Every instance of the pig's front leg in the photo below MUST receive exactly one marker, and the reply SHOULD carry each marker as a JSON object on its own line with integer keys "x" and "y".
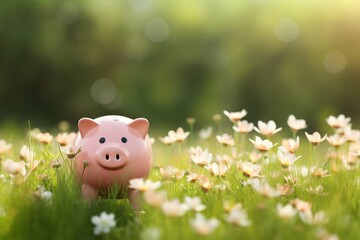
{"x": 135, "y": 199}
{"x": 89, "y": 193}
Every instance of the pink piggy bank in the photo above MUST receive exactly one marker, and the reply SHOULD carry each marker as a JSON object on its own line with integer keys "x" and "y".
{"x": 113, "y": 150}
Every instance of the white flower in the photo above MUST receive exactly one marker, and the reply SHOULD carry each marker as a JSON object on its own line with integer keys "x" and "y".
{"x": 141, "y": 185}
{"x": 238, "y": 217}
{"x": 290, "y": 145}
{"x": 304, "y": 171}
{"x": 2, "y": 178}
{"x": 224, "y": 159}
{"x": 150, "y": 233}
{"x": 25, "y": 153}
{"x": 323, "y": 234}
{"x": 14, "y": 168}
{"x": 103, "y": 223}
{"x": 192, "y": 177}
{"x": 204, "y": 182}
{"x": 300, "y": 205}
{"x": 315, "y": 138}
{"x": 296, "y": 124}
{"x": 155, "y": 199}
{"x": 203, "y": 226}
{"x": 262, "y": 145}
{"x": 218, "y": 169}
{"x": 338, "y": 122}
{"x": 318, "y": 218}
{"x": 350, "y": 160}
{"x": 171, "y": 172}
{"x": 354, "y": 149}
{"x": 226, "y": 140}
{"x": 200, "y": 156}
{"x": 194, "y": 204}
{"x": 179, "y": 136}
{"x": 265, "y": 189}
{"x": 352, "y": 135}
{"x": 255, "y": 156}
{"x": 287, "y": 159}
{"x": 336, "y": 140}
{"x": 267, "y": 129}
{"x": 167, "y": 140}
{"x": 243, "y": 127}
{"x": 4, "y": 146}
{"x": 205, "y": 133}
{"x": 285, "y": 212}
{"x": 249, "y": 169}
{"x": 316, "y": 191}
{"x": 174, "y": 208}
{"x": 44, "y": 138}
{"x": 235, "y": 116}
{"x": 66, "y": 139}
{"x": 228, "y": 206}
{"x": 43, "y": 194}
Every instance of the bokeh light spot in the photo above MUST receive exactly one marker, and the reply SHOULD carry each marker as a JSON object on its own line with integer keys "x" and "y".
{"x": 68, "y": 13}
{"x": 116, "y": 104}
{"x": 287, "y": 30}
{"x": 140, "y": 5}
{"x": 103, "y": 91}
{"x": 334, "y": 62}
{"x": 157, "y": 30}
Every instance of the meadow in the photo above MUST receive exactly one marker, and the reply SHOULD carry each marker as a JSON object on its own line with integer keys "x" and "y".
{"x": 229, "y": 180}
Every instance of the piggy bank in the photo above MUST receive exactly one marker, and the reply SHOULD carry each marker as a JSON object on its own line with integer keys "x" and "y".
{"x": 112, "y": 150}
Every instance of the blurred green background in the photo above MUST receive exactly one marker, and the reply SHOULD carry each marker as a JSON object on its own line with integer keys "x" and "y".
{"x": 168, "y": 60}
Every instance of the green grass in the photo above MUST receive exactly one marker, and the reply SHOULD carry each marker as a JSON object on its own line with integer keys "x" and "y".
{"x": 68, "y": 216}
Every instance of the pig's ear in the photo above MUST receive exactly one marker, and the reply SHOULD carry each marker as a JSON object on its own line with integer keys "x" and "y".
{"x": 85, "y": 125}
{"x": 141, "y": 125}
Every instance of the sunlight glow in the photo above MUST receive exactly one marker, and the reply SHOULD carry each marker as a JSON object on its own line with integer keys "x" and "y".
{"x": 334, "y": 62}
{"x": 103, "y": 91}
{"x": 287, "y": 30}
{"x": 157, "y": 30}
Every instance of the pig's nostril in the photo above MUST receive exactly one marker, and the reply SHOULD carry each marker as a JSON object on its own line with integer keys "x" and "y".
{"x": 117, "y": 157}
{"x": 107, "y": 157}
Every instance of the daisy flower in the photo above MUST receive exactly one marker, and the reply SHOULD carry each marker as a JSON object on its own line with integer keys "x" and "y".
{"x": 291, "y": 145}
{"x": 203, "y": 226}
{"x": 285, "y": 212}
{"x": 267, "y": 129}
{"x": 226, "y": 140}
{"x": 296, "y": 124}
{"x": 336, "y": 140}
{"x": 194, "y": 203}
{"x": 315, "y": 138}
{"x": 243, "y": 127}
{"x": 4, "y": 146}
{"x": 235, "y": 116}
{"x": 103, "y": 223}
{"x": 179, "y": 135}
{"x": 142, "y": 186}
{"x": 338, "y": 122}
{"x": 174, "y": 208}
{"x": 238, "y": 217}
{"x": 44, "y": 138}
{"x": 14, "y": 168}
{"x": 262, "y": 145}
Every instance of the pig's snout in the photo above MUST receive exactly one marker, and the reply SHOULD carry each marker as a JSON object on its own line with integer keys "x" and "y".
{"x": 111, "y": 157}
{"x": 110, "y": 154}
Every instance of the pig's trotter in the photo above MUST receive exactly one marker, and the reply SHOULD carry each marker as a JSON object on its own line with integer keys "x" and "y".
{"x": 89, "y": 193}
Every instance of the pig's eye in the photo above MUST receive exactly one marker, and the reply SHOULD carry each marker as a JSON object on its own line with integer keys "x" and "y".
{"x": 102, "y": 140}
{"x": 124, "y": 139}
